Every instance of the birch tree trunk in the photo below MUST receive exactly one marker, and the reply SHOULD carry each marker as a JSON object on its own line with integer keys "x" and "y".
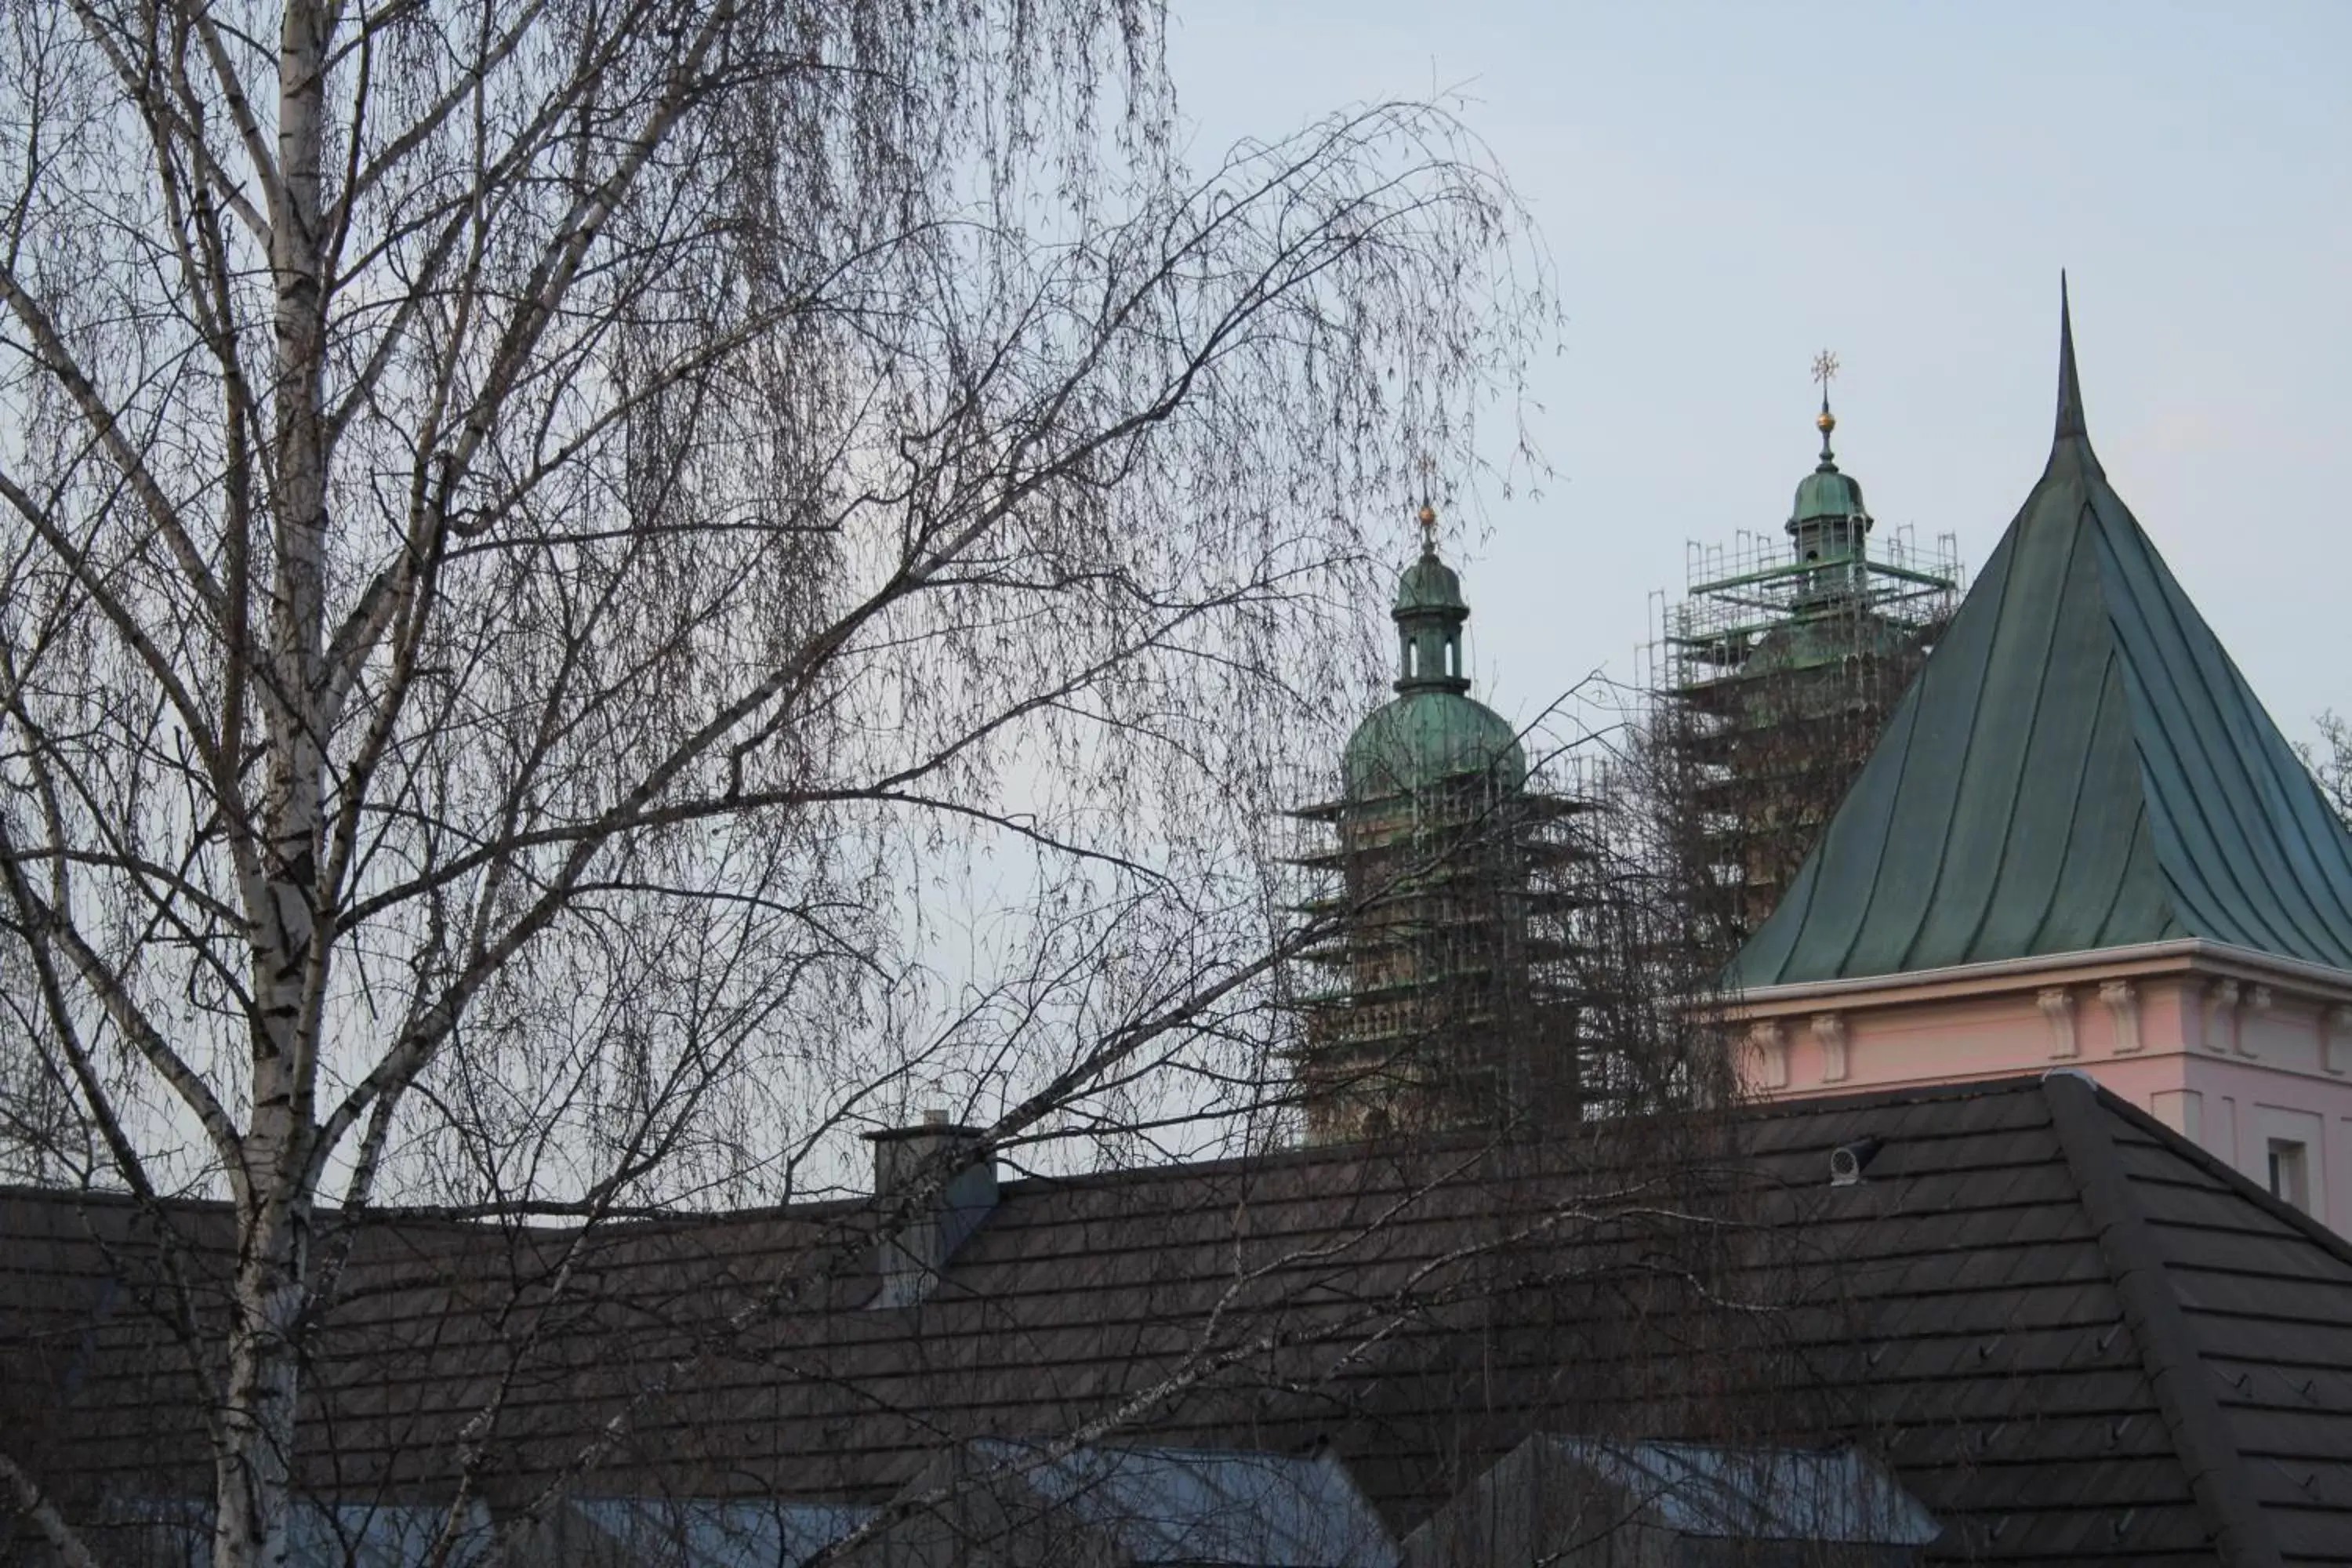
{"x": 543, "y": 540}
{"x": 283, "y": 904}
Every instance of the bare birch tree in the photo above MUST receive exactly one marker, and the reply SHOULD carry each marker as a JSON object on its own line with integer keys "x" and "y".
{"x": 554, "y": 551}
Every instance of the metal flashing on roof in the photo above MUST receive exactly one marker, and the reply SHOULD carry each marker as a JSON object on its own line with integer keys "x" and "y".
{"x": 699, "y": 1532}
{"x": 1564, "y": 1498}
{"x": 1205, "y": 1506}
{"x": 1759, "y": 1494}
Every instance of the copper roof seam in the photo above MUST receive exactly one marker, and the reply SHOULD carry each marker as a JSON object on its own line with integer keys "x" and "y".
{"x": 1905, "y": 715}
{"x": 2300, "y": 856}
{"x": 2232, "y": 701}
{"x": 2017, "y": 785}
{"x": 1918, "y": 920}
{"x": 2142, "y": 839}
{"x": 2186, "y": 743}
{"x": 2108, "y": 676}
{"x": 2168, "y": 1353}
{"x": 2194, "y": 909}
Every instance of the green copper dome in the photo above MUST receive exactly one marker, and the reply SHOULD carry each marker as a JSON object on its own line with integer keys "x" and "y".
{"x": 1824, "y": 494}
{"x": 1433, "y": 730}
{"x": 1425, "y": 737}
{"x": 1430, "y": 584}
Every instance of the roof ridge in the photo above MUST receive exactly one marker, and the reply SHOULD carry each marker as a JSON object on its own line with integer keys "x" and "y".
{"x": 2175, "y": 1366}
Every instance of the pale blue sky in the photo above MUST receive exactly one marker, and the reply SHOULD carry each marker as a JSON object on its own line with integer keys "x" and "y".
{"x": 1727, "y": 188}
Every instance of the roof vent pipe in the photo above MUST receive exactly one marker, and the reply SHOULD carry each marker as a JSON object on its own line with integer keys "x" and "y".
{"x": 1847, "y": 1162}
{"x": 952, "y": 1180}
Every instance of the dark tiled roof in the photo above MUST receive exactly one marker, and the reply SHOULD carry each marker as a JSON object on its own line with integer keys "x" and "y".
{"x": 2072, "y": 1335}
{"x": 2079, "y": 765}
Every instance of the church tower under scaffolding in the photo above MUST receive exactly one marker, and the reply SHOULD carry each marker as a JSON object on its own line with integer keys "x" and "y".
{"x": 1446, "y": 1000}
{"x": 1775, "y": 674}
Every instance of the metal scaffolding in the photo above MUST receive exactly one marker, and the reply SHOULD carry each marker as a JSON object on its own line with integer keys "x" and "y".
{"x": 1772, "y": 676}
{"x": 1447, "y": 992}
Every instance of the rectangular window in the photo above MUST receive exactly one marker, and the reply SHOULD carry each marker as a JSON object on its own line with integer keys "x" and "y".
{"x": 2290, "y": 1180}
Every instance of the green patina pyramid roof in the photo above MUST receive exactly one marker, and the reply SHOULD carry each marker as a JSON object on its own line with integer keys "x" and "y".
{"x": 2079, "y": 765}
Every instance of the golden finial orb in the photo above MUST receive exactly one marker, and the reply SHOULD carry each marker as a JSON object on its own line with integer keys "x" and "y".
{"x": 1827, "y": 421}
{"x": 1427, "y": 518}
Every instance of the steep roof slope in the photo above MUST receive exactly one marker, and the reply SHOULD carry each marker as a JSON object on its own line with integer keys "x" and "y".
{"x": 2079, "y": 765}
{"x": 2073, "y": 1336}
{"x": 2050, "y": 1309}
{"x": 2256, "y": 1328}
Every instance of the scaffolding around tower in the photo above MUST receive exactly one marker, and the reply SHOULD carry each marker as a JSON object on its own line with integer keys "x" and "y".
{"x": 1443, "y": 885}
{"x": 1771, "y": 677}
{"x": 1446, "y": 995}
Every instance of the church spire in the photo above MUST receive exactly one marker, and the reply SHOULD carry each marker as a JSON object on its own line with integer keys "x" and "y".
{"x": 2070, "y": 391}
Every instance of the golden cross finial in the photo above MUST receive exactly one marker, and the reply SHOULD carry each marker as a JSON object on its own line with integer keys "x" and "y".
{"x": 1825, "y": 369}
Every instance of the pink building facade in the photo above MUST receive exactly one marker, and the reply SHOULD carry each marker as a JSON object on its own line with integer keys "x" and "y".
{"x": 2247, "y": 1055}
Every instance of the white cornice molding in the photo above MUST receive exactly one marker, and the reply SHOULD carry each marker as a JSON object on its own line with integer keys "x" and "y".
{"x": 2178, "y": 956}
